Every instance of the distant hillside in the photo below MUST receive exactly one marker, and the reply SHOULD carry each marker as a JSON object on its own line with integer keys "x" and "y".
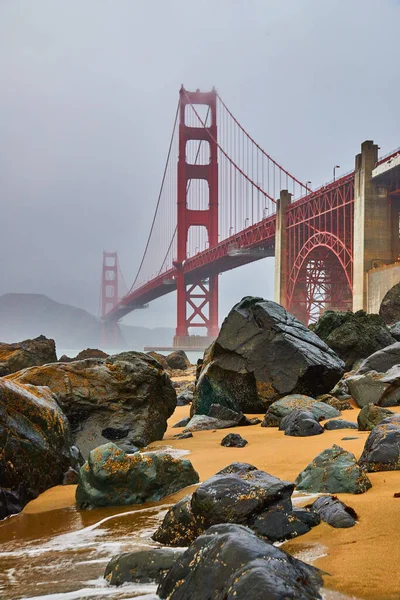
{"x": 25, "y": 316}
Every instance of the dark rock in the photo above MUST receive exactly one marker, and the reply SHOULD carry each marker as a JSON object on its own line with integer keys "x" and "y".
{"x": 334, "y": 512}
{"x": 142, "y": 566}
{"x": 261, "y": 354}
{"x": 10, "y": 503}
{"x": 353, "y": 335}
{"x": 339, "y": 424}
{"x": 300, "y": 423}
{"x": 376, "y": 388}
{"x": 179, "y": 527}
{"x": 65, "y": 358}
{"x": 178, "y": 360}
{"x": 338, "y": 403}
{"x": 160, "y": 358}
{"x": 184, "y": 398}
{"x": 281, "y": 408}
{"x": 308, "y": 516}
{"x": 182, "y": 423}
{"x": 91, "y": 353}
{"x": 234, "y": 440}
{"x": 341, "y": 391}
{"x": 349, "y": 438}
{"x": 29, "y": 353}
{"x": 217, "y": 411}
{"x": 382, "y": 360}
{"x": 71, "y": 477}
{"x": 34, "y": 441}
{"x": 371, "y": 415}
{"x": 253, "y": 421}
{"x": 230, "y": 562}
{"x": 128, "y": 395}
{"x": 395, "y": 330}
{"x": 238, "y": 494}
{"x": 110, "y": 477}
{"x": 204, "y": 422}
{"x": 334, "y": 471}
{"x": 183, "y": 436}
{"x": 382, "y": 448}
{"x": 390, "y": 305}
{"x": 276, "y": 524}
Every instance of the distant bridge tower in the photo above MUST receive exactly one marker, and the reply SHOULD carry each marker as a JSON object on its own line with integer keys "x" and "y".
{"x": 110, "y": 332}
{"x": 109, "y": 282}
{"x": 197, "y": 304}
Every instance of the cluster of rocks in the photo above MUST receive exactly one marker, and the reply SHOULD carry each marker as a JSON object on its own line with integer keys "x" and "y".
{"x": 49, "y": 409}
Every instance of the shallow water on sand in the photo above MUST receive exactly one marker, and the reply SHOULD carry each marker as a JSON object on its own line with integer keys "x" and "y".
{"x": 62, "y": 554}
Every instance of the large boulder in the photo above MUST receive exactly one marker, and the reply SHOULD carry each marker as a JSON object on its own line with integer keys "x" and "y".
{"x": 35, "y": 442}
{"x": 141, "y": 566}
{"x": 281, "y": 408}
{"x": 390, "y": 305}
{"x": 29, "y": 353}
{"x": 230, "y": 562}
{"x": 334, "y": 471}
{"x": 126, "y": 398}
{"x": 240, "y": 493}
{"x": 382, "y": 360}
{"x": 300, "y": 423}
{"x": 111, "y": 477}
{"x": 178, "y": 360}
{"x": 376, "y": 388}
{"x": 382, "y": 448}
{"x": 261, "y": 354}
{"x": 353, "y": 335}
{"x": 370, "y": 416}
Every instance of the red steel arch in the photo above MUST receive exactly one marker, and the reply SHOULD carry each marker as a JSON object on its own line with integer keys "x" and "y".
{"x": 320, "y": 249}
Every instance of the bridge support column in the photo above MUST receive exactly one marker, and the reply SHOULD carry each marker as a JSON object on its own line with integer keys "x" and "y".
{"x": 372, "y": 224}
{"x": 280, "y": 286}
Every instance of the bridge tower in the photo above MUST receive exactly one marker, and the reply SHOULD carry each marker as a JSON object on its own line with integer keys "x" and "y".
{"x": 197, "y": 302}
{"x": 110, "y": 332}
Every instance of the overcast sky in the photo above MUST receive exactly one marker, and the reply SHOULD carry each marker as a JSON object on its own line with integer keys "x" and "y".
{"x": 88, "y": 91}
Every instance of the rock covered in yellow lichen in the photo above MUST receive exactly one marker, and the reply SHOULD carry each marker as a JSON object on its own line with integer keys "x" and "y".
{"x": 111, "y": 477}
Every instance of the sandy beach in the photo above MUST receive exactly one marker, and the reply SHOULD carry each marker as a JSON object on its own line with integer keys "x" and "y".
{"x": 356, "y": 560}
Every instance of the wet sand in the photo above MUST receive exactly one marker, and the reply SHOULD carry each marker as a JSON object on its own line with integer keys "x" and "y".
{"x": 362, "y": 561}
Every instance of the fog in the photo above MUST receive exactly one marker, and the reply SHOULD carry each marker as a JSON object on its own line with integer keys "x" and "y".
{"x": 88, "y": 97}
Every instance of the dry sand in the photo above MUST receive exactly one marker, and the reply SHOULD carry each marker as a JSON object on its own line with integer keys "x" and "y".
{"x": 362, "y": 561}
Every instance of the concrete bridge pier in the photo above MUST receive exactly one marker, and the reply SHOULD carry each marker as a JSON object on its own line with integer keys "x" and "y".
{"x": 281, "y": 249}
{"x": 373, "y": 228}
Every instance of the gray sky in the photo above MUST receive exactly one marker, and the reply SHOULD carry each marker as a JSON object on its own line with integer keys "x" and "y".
{"x": 88, "y": 91}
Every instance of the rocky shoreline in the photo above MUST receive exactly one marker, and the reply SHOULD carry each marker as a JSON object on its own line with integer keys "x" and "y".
{"x": 101, "y": 422}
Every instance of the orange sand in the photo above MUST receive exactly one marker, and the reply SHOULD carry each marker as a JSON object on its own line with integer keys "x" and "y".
{"x": 361, "y": 561}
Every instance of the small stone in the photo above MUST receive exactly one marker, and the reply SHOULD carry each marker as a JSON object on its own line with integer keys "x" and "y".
{"x": 334, "y": 512}
{"x": 182, "y": 423}
{"x": 234, "y": 440}
{"x": 183, "y": 436}
{"x": 339, "y": 424}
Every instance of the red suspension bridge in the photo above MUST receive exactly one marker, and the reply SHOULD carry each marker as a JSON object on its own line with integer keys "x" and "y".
{"x": 224, "y": 202}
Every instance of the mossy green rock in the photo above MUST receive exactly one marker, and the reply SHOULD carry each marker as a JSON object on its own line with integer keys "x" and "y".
{"x": 334, "y": 471}
{"x": 111, "y": 477}
{"x": 353, "y": 336}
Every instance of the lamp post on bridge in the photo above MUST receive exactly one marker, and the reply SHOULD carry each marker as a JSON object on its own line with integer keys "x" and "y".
{"x": 309, "y": 186}
{"x": 334, "y": 171}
